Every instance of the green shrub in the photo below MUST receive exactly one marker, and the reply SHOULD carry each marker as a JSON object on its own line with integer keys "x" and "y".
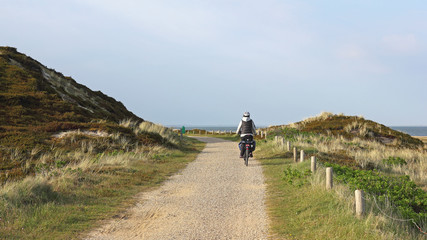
{"x": 296, "y": 177}
{"x": 403, "y": 193}
{"x": 393, "y": 161}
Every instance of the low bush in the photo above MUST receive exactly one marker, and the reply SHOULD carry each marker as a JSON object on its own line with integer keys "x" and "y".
{"x": 296, "y": 177}
{"x": 409, "y": 200}
{"x": 394, "y": 161}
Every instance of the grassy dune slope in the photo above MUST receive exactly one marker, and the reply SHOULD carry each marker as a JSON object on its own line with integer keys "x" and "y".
{"x": 73, "y": 190}
{"x": 67, "y": 157}
{"x": 299, "y": 210}
{"x": 37, "y": 103}
{"x": 384, "y": 163}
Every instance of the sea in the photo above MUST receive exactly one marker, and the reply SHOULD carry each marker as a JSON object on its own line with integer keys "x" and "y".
{"x": 209, "y": 128}
{"x": 411, "y": 130}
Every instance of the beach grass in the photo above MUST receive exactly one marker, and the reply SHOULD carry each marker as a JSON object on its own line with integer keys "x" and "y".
{"x": 300, "y": 207}
{"x": 422, "y": 138}
{"x": 65, "y": 200}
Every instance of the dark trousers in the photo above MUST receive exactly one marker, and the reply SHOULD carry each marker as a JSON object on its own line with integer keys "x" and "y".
{"x": 242, "y": 140}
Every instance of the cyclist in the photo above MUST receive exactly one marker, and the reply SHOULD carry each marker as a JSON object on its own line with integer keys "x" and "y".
{"x": 247, "y": 130}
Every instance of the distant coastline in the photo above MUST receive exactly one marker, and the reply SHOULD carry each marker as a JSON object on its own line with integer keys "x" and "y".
{"x": 209, "y": 128}
{"x": 411, "y": 130}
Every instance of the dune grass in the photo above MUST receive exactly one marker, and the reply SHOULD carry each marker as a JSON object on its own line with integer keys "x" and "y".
{"x": 302, "y": 211}
{"x": 371, "y": 154}
{"x": 66, "y": 199}
{"x": 424, "y": 139}
{"x": 300, "y": 207}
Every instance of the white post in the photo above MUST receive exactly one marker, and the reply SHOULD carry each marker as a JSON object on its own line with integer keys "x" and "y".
{"x": 302, "y": 155}
{"x": 313, "y": 164}
{"x": 289, "y": 145}
{"x": 360, "y": 202}
{"x": 329, "y": 180}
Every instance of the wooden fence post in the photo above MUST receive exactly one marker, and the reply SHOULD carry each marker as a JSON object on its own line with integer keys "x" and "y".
{"x": 302, "y": 155}
{"x": 289, "y": 145}
{"x": 360, "y": 203}
{"x": 329, "y": 180}
{"x": 313, "y": 164}
{"x": 295, "y": 155}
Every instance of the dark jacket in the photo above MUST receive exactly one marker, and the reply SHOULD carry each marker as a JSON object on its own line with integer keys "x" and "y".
{"x": 246, "y": 127}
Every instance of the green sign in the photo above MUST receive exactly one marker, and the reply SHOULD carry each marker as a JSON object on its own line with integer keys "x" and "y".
{"x": 183, "y": 130}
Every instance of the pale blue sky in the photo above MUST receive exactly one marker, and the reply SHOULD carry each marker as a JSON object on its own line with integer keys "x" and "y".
{"x": 206, "y": 62}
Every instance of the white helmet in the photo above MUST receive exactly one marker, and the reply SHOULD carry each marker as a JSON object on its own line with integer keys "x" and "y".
{"x": 246, "y": 114}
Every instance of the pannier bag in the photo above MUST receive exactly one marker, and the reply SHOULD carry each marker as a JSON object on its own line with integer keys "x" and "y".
{"x": 253, "y": 145}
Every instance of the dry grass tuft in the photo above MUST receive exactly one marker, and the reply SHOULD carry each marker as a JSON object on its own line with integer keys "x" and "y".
{"x": 30, "y": 191}
{"x": 165, "y": 132}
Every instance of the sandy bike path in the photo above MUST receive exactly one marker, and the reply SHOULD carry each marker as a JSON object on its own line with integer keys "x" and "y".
{"x": 215, "y": 197}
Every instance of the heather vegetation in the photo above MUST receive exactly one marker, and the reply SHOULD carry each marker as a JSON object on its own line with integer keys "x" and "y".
{"x": 389, "y": 166}
{"x": 67, "y": 159}
{"x": 37, "y": 103}
{"x": 86, "y": 176}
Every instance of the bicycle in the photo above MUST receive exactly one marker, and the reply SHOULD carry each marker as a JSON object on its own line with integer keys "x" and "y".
{"x": 249, "y": 146}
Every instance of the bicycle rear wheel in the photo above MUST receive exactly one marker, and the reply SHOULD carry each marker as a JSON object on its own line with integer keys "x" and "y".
{"x": 246, "y": 156}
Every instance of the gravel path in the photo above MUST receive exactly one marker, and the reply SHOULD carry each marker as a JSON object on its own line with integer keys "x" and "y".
{"x": 214, "y": 197}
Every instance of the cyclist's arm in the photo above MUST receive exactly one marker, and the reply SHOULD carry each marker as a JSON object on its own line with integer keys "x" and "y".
{"x": 239, "y": 128}
{"x": 253, "y": 128}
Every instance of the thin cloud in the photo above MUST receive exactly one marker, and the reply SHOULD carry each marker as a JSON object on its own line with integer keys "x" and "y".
{"x": 351, "y": 51}
{"x": 404, "y": 44}
{"x": 354, "y": 58}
